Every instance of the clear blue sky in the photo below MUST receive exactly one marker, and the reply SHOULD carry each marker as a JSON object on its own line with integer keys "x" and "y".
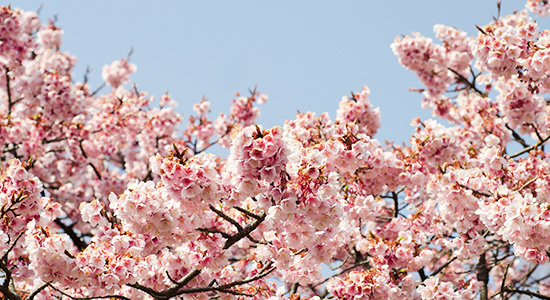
{"x": 304, "y": 54}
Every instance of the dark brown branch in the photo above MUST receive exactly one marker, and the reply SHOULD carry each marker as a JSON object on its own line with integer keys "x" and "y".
{"x": 225, "y": 217}
{"x": 502, "y": 285}
{"x": 294, "y": 288}
{"x": 232, "y": 292}
{"x": 528, "y": 293}
{"x": 9, "y": 293}
{"x": 170, "y": 277}
{"x": 481, "y": 30}
{"x": 88, "y": 298}
{"x": 474, "y": 191}
{"x": 471, "y": 85}
{"x": 526, "y": 184}
{"x": 422, "y": 274}
{"x": 443, "y": 266}
{"x": 5, "y": 256}
{"x": 245, "y": 232}
{"x": 38, "y": 290}
{"x": 525, "y": 150}
{"x": 169, "y": 292}
{"x": 224, "y": 288}
{"x": 526, "y": 277}
{"x": 483, "y": 276}
{"x": 8, "y": 288}
{"x": 68, "y": 229}
{"x": 10, "y": 104}
{"x": 242, "y": 231}
{"x": 149, "y": 176}
{"x": 246, "y": 212}
{"x": 89, "y": 163}
{"x": 98, "y": 89}
{"x": 395, "y": 205}
{"x": 516, "y": 136}
{"x": 210, "y": 144}
{"x": 210, "y": 230}
{"x": 59, "y": 139}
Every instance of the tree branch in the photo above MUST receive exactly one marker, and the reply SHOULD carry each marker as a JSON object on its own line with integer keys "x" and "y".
{"x": 169, "y": 292}
{"x": 88, "y": 298}
{"x": 224, "y": 288}
{"x": 68, "y": 229}
{"x": 225, "y": 217}
{"x": 529, "y": 293}
{"x": 89, "y": 162}
{"x": 246, "y": 212}
{"x": 483, "y": 276}
{"x": 471, "y": 85}
{"x": 245, "y": 232}
{"x": 38, "y": 290}
{"x": 443, "y": 266}
{"x": 502, "y": 286}
{"x": 525, "y": 150}
{"x": 516, "y": 136}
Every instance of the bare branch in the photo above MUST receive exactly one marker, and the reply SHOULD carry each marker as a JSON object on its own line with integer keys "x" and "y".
{"x": 5, "y": 256}
{"x": 526, "y": 184}
{"x": 471, "y": 85}
{"x": 529, "y": 293}
{"x": 225, "y": 217}
{"x": 245, "y": 231}
{"x": 516, "y": 136}
{"x": 474, "y": 191}
{"x": 443, "y": 266}
{"x": 211, "y": 230}
{"x": 525, "y": 150}
{"x": 483, "y": 276}
{"x": 504, "y": 281}
{"x": 224, "y": 288}
{"x": 68, "y": 229}
{"x": 88, "y": 298}
{"x": 98, "y": 89}
{"x": 246, "y": 212}
{"x": 38, "y": 290}
{"x": 170, "y": 292}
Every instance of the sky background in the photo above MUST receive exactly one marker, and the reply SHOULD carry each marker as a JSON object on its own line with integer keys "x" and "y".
{"x": 305, "y": 55}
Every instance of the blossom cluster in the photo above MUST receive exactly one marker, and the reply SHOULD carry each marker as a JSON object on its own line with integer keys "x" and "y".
{"x": 104, "y": 194}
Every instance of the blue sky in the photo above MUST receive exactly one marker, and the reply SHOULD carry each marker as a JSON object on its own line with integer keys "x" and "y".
{"x": 305, "y": 55}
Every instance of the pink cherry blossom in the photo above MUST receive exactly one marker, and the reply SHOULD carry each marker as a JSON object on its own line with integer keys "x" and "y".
{"x": 111, "y": 195}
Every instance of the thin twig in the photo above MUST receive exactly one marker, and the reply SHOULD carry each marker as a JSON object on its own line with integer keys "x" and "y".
{"x": 504, "y": 281}
{"x": 169, "y": 292}
{"x": 246, "y": 212}
{"x": 474, "y": 191}
{"x": 5, "y": 256}
{"x": 529, "y": 293}
{"x": 525, "y": 150}
{"x": 516, "y": 136}
{"x": 38, "y": 290}
{"x": 443, "y": 266}
{"x": 465, "y": 80}
{"x": 88, "y": 298}
{"x": 225, "y": 217}
{"x": 98, "y": 89}
{"x": 526, "y": 184}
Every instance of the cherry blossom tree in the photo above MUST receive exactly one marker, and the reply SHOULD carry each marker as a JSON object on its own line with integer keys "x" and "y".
{"x": 107, "y": 193}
